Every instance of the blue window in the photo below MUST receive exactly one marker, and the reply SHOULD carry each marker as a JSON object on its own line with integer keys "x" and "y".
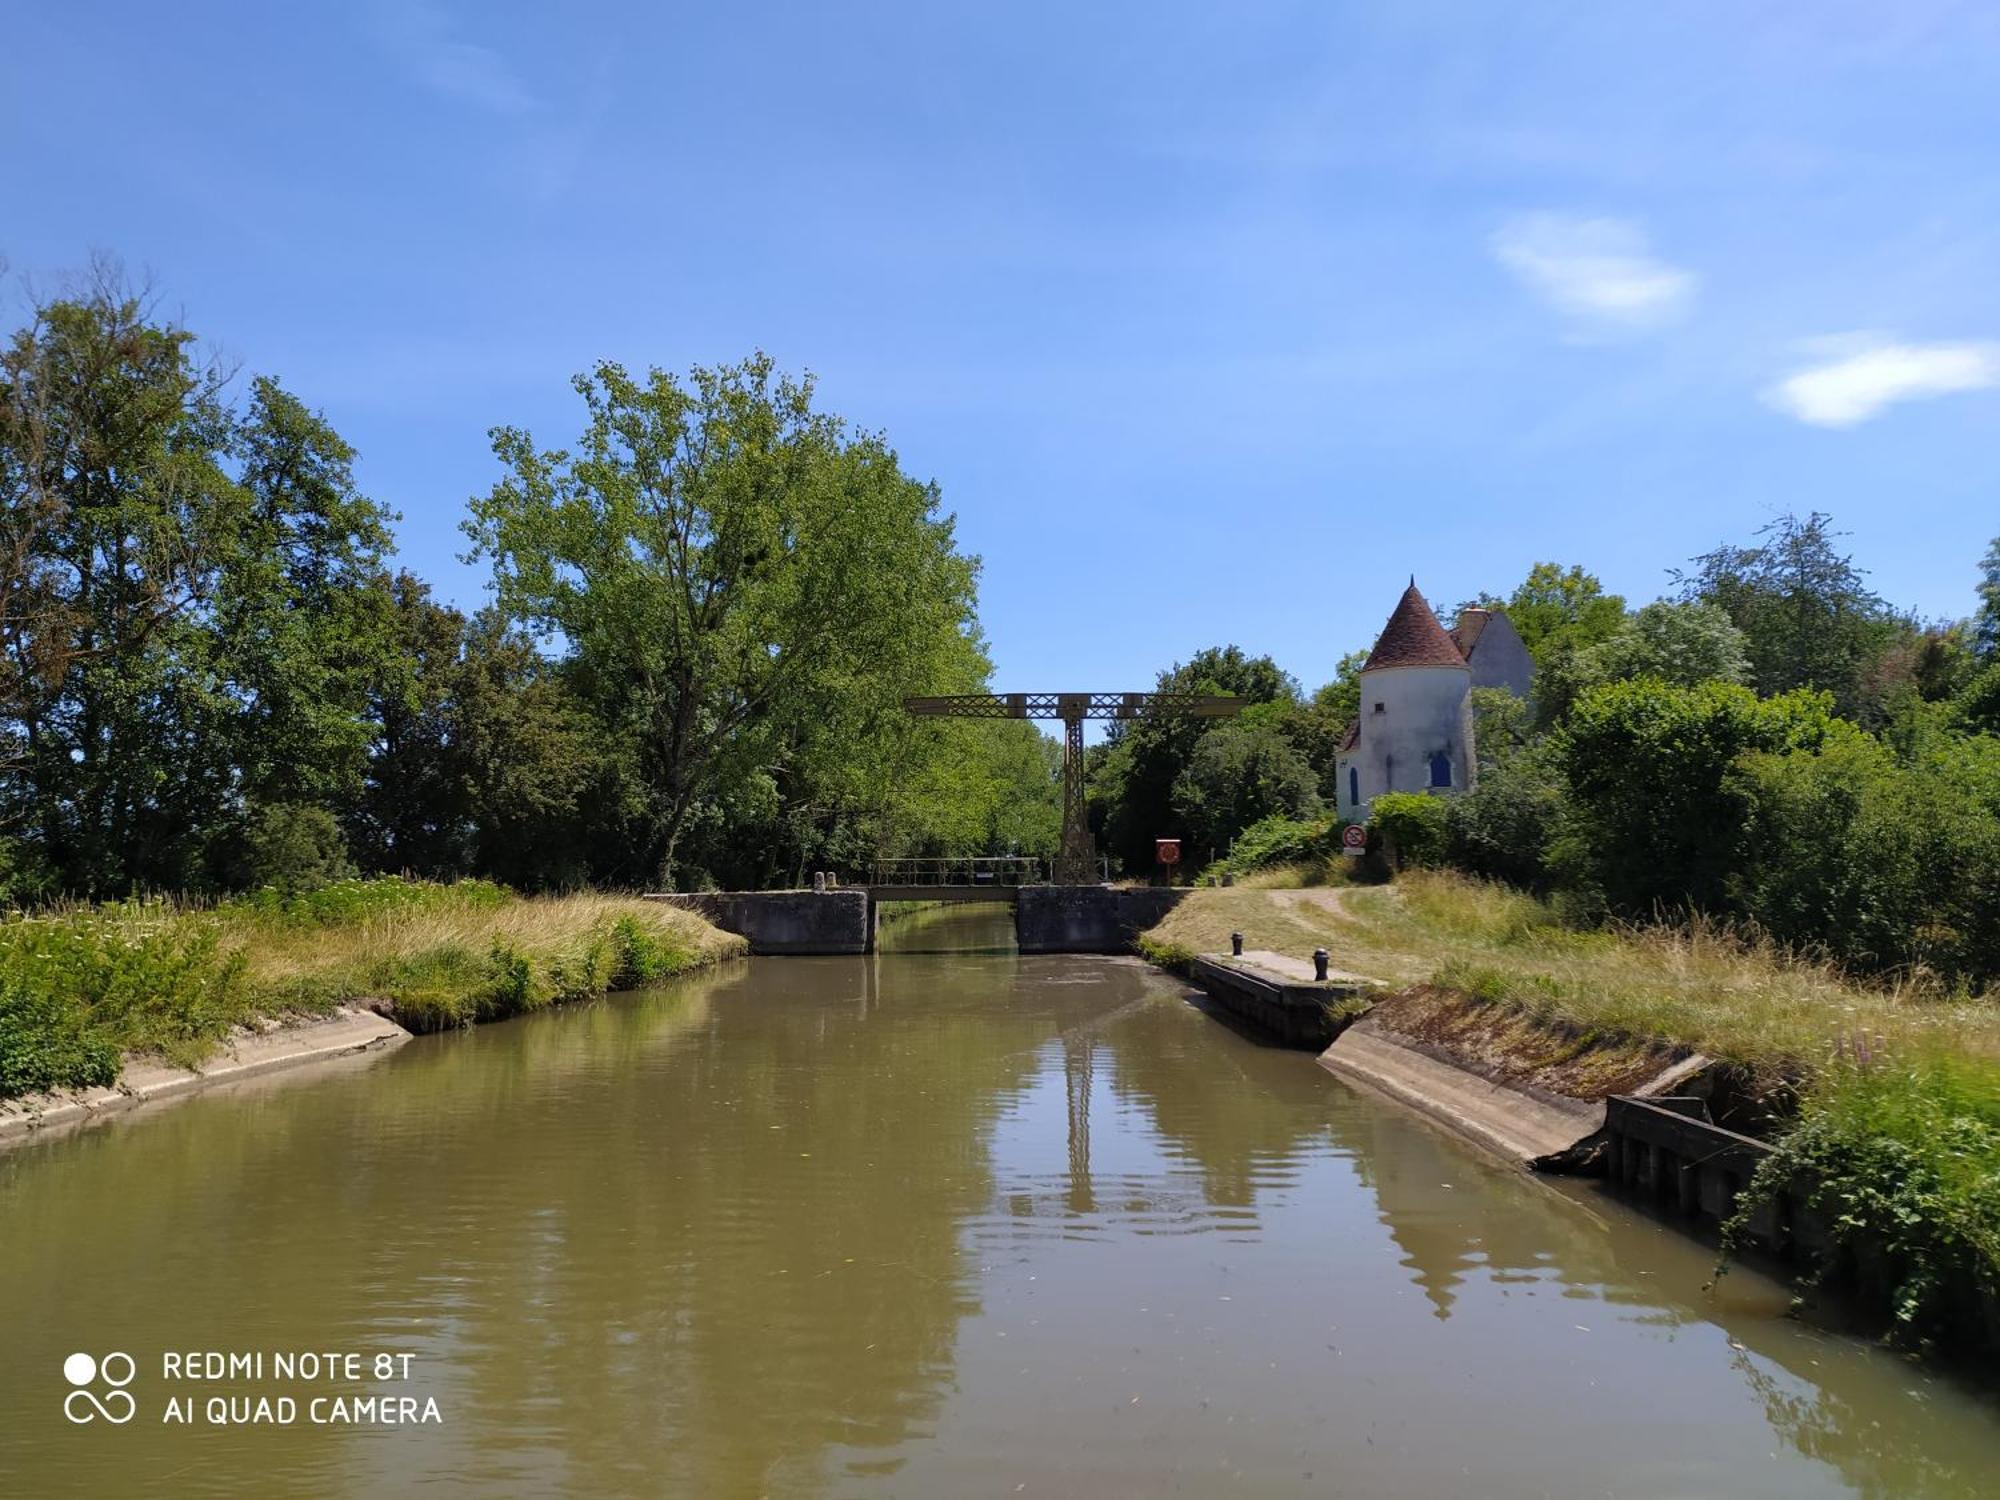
{"x": 1440, "y": 769}
{"x": 1353, "y": 786}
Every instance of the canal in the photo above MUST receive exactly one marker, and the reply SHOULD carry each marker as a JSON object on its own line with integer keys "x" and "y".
{"x": 926, "y": 1223}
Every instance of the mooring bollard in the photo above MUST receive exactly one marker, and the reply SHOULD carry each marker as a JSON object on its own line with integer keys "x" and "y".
{"x": 1236, "y": 943}
{"x": 1319, "y": 964}
{"x": 819, "y": 881}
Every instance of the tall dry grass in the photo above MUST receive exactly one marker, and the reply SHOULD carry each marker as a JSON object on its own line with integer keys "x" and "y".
{"x": 79, "y": 986}
{"x": 1732, "y": 995}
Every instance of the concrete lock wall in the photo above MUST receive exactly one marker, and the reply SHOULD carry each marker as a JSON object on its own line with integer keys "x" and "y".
{"x": 786, "y": 921}
{"x": 1088, "y": 918}
{"x": 1047, "y": 918}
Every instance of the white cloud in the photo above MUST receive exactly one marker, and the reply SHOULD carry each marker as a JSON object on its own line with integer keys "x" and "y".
{"x": 478, "y": 75}
{"x": 1601, "y": 274}
{"x": 422, "y": 37}
{"x": 1857, "y": 375}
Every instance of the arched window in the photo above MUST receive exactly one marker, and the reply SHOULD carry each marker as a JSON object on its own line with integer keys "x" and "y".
{"x": 1440, "y": 769}
{"x": 1353, "y": 786}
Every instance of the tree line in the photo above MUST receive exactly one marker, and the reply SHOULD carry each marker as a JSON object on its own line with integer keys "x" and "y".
{"x": 1769, "y": 743}
{"x": 705, "y": 613}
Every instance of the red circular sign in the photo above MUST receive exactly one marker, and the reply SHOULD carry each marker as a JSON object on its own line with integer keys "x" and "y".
{"x": 1354, "y": 836}
{"x": 1168, "y": 850}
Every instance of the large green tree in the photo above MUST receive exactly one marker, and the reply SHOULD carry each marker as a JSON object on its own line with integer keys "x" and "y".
{"x": 740, "y": 582}
{"x": 120, "y": 513}
{"x": 1808, "y": 617}
{"x": 302, "y": 609}
{"x": 192, "y": 599}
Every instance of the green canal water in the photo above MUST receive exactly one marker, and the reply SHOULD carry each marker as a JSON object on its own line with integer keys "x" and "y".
{"x": 932, "y": 1224}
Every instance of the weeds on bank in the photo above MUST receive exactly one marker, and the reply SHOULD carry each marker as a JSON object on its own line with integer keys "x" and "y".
{"x": 1899, "y": 1152}
{"x": 1698, "y": 985}
{"x": 81, "y": 985}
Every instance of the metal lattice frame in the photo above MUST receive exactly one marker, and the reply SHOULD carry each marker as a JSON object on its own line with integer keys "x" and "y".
{"x": 1077, "y": 860}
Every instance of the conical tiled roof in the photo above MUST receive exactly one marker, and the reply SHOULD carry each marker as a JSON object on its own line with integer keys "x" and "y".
{"x": 1413, "y": 638}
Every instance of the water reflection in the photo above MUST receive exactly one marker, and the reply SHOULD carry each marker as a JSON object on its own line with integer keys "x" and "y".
{"x": 913, "y": 1225}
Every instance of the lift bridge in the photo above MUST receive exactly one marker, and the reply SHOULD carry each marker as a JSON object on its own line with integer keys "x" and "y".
{"x": 1076, "y": 861}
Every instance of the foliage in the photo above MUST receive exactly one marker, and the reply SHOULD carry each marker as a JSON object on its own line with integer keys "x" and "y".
{"x": 194, "y": 597}
{"x": 113, "y": 444}
{"x": 1900, "y": 1153}
{"x": 1502, "y": 726}
{"x": 1411, "y": 826}
{"x": 1279, "y": 840}
{"x": 1682, "y": 644}
{"x": 45, "y": 1044}
{"x": 1978, "y": 705}
{"x": 1135, "y": 774}
{"x": 1238, "y": 774}
{"x": 745, "y": 589}
{"x": 1654, "y": 819}
{"x": 135, "y": 976}
{"x": 1986, "y": 621}
{"x": 292, "y": 847}
{"x": 1503, "y": 825}
{"x": 1808, "y": 618}
{"x": 1557, "y": 609}
{"x": 1884, "y": 863}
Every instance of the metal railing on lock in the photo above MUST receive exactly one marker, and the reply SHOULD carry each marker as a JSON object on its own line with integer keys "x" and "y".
{"x": 999, "y": 870}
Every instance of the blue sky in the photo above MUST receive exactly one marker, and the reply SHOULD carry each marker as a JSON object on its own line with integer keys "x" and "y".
{"x": 1213, "y": 322}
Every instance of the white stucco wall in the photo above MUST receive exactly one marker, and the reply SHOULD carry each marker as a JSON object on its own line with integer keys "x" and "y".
{"x": 1423, "y": 710}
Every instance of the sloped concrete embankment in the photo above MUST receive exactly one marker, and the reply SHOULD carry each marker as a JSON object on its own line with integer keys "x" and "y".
{"x": 349, "y": 1032}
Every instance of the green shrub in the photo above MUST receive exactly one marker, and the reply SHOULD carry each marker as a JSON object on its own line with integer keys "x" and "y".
{"x": 1412, "y": 826}
{"x": 1503, "y": 826}
{"x": 1654, "y": 817}
{"x": 1883, "y": 864}
{"x": 45, "y": 1043}
{"x": 1278, "y": 840}
{"x": 290, "y": 848}
{"x": 642, "y": 957}
{"x": 143, "y": 975}
{"x": 1901, "y": 1156}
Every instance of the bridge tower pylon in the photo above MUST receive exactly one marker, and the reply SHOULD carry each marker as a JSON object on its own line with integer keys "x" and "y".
{"x": 1076, "y": 859}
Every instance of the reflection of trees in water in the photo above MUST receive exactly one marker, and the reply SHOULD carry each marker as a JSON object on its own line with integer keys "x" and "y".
{"x": 1920, "y": 1457}
{"x": 1514, "y": 1230}
{"x": 789, "y": 1195}
{"x": 689, "y": 1243}
{"x": 714, "y": 1240}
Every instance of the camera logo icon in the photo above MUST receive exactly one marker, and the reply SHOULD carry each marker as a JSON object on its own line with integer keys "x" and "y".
{"x": 84, "y": 1404}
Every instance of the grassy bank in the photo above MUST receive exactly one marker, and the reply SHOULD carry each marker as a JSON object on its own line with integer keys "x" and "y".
{"x": 79, "y": 987}
{"x": 1885, "y": 1097}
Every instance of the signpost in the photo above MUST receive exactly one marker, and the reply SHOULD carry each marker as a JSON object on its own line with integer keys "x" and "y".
{"x": 1168, "y": 852}
{"x": 1354, "y": 840}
